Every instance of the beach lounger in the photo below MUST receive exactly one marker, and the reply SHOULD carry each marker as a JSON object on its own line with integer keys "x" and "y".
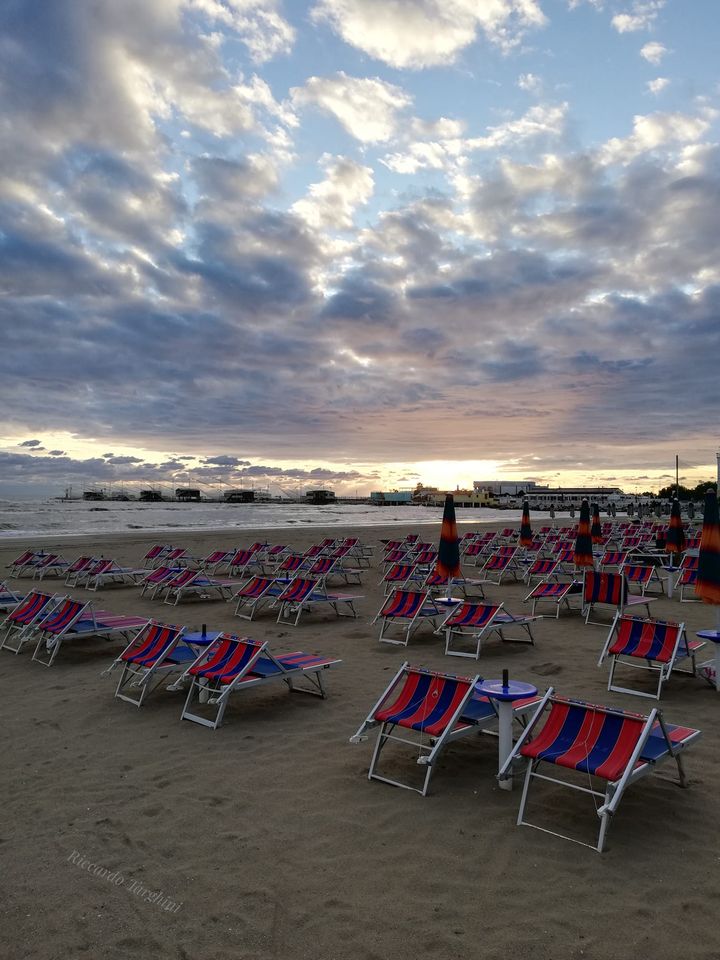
{"x": 216, "y": 559}
{"x": 77, "y": 568}
{"x": 542, "y": 568}
{"x": 609, "y": 589}
{"x": 638, "y": 575}
{"x": 654, "y": 646}
{"x": 108, "y": 571}
{"x": 255, "y": 593}
{"x": 687, "y": 577}
{"x": 612, "y": 558}
{"x": 156, "y": 579}
{"x": 194, "y": 583}
{"x": 235, "y": 663}
{"x": 427, "y": 710}
{"x": 15, "y": 628}
{"x": 408, "y": 610}
{"x": 499, "y": 565}
{"x": 397, "y": 576}
{"x": 147, "y": 660}
{"x": 476, "y": 621}
{"x": 597, "y": 741}
{"x": 438, "y": 583}
{"x": 26, "y": 560}
{"x": 303, "y": 594}
{"x": 242, "y": 561}
{"x": 557, "y": 593}
{"x": 51, "y": 565}
{"x": 73, "y": 619}
{"x": 155, "y": 555}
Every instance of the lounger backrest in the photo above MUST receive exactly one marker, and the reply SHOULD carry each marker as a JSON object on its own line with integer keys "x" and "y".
{"x": 23, "y": 559}
{"x": 585, "y": 737}
{"x": 176, "y": 554}
{"x": 423, "y": 700}
{"x": 635, "y": 573}
{"x": 646, "y": 639}
{"x": 241, "y": 558}
{"x": 33, "y": 604}
{"x": 497, "y": 562}
{"x": 228, "y": 657}
{"x": 542, "y": 566}
{"x": 399, "y": 572}
{"x": 183, "y": 579}
{"x": 321, "y": 567}
{"x": 290, "y": 564}
{"x": 436, "y": 579}
{"x": 82, "y": 563}
{"x": 403, "y": 603}
{"x": 394, "y": 556}
{"x": 154, "y": 552}
{"x": 255, "y": 588}
{"x": 603, "y": 587}
{"x": 426, "y": 556}
{"x": 216, "y": 556}
{"x": 298, "y": 590}
{"x": 157, "y": 576}
{"x": 151, "y": 643}
{"x": 566, "y": 555}
{"x": 613, "y": 558}
{"x": 47, "y": 561}
{"x": 688, "y": 577}
{"x": 102, "y": 566}
{"x": 473, "y": 615}
{"x": 63, "y": 616}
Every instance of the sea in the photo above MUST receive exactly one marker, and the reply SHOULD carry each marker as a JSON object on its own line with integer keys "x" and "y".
{"x": 56, "y": 517}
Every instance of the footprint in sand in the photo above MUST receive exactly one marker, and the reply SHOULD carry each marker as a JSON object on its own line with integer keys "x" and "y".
{"x": 546, "y": 669}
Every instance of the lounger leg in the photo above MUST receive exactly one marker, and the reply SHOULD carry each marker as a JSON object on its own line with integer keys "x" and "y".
{"x": 526, "y": 789}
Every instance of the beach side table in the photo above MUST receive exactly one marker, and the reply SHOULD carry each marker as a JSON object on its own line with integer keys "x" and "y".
{"x": 669, "y": 581}
{"x": 714, "y": 637}
{"x": 505, "y": 695}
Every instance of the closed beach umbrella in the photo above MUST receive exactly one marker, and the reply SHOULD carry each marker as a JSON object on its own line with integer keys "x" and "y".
{"x": 708, "y": 578}
{"x": 583, "y": 540}
{"x": 448, "y": 561}
{"x": 552, "y": 511}
{"x": 596, "y": 528}
{"x": 631, "y": 509}
{"x": 525, "y": 530}
{"x": 675, "y": 535}
{"x": 691, "y": 510}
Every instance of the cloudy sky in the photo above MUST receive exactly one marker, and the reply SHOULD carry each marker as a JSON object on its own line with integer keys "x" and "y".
{"x": 358, "y": 243}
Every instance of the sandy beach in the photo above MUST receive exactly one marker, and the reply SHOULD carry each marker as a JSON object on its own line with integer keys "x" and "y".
{"x": 267, "y": 836}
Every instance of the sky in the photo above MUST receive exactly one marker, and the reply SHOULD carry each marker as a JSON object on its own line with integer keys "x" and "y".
{"x": 358, "y": 244}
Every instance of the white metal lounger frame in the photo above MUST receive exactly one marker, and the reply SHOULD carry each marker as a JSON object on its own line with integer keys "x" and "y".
{"x": 614, "y": 791}
{"x": 428, "y": 747}
{"x": 218, "y": 694}
{"x": 146, "y": 678}
{"x": 496, "y": 624}
{"x": 23, "y": 633}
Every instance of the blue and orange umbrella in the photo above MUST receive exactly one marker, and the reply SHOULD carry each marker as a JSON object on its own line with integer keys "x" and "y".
{"x": 583, "y": 540}
{"x": 596, "y": 528}
{"x": 448, "y": 560}
{"x": 526, "y": 537}
{"x": 675, "y": 535}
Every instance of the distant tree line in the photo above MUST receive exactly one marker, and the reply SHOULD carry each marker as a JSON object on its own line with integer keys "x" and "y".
{"x": 687, "y": 493}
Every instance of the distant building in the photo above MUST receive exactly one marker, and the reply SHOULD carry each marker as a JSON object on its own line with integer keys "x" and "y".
{"x": 94, "y": 495}
{"x": 510, "y": 488}
{"x": 151, "y": 496}
{"x": 320, "y": 496}
{"x": 188, "y": 493}
{"x": 391, "y": 498}
{"x": 464, "y": 498}
{"x": 239, "y": 496}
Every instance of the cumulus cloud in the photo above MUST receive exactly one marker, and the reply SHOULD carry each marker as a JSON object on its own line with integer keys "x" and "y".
{"x": 658, "y": 85}
{"x": 257, "y": 23}
{"x": 641, "y": 16}
{"x": 424, "y": 33}
{"x": 331, "y": 203}
{"x": 653, "y": 52}
{"x": 30, "y": 443}
{"x": 367, "y": 107}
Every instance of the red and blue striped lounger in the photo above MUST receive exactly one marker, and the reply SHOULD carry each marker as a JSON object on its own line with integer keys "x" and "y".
{"x": 498, "y": 565}
{"x": 73, "y": 619}
{"x": 649, "y": 645}
{"x": 23, "y": 563}
{"x": 609, "y": 589}
{"x": 613, "y": 558}
{"x": 108, "y": 571}
{"x": 156, "y": 579}
{"x": 438, "y": 583}
{"x": 557, "y": 593}
{"x": 216, "y": 559}
{"x": 542, "y": 568}
{"x": 16, "y": 626}
{"x": 77, "y": 568}
{"x": 51, "y": 565}
{"x": 303, "y": 594}
{"x": 397, "y": 576}
{"x": 598, "y": 742}
{"x": 475, "y": 621}
{"x": 155, "y": 554}
{"x": 194, "y": 583}
{"x": 407, "y": 609}
{"x": 253, "y": 594}
{"x": 237, "y": 663}
{"x": 642, "y": 576}
{"x": 431, "y": 709}
{"x": 154, "y": 652}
